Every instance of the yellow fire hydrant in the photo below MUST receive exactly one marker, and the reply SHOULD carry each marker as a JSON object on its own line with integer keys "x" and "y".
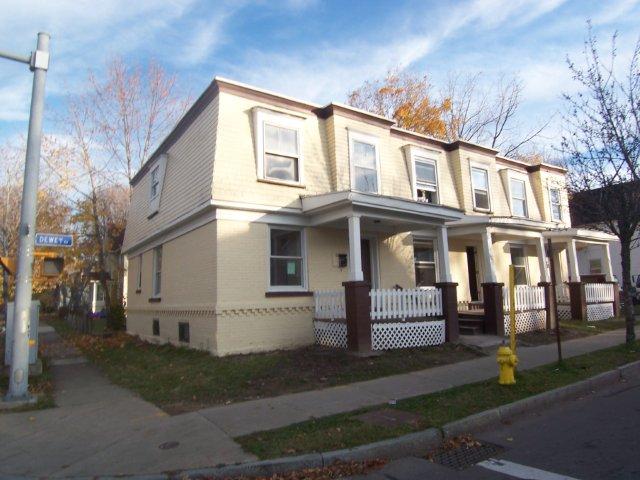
{"x": 507, "y": 362}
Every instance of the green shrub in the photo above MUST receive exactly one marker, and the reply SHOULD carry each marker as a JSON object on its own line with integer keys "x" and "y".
{"x": 117, "y": 318}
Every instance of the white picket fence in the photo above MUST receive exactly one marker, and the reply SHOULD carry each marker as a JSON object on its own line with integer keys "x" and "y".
{"x": 562, "y": 293}
{"x": 527, "y": 298}
{"x": 415, "y": 302}
{"x": 598, "y": 292}
{"x": 329, "y": 304}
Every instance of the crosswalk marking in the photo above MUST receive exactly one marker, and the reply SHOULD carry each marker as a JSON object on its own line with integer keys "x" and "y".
{"x": 521, "y": 471}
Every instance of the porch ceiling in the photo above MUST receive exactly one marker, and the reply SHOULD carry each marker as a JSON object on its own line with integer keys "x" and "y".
{"x": 378, "y": 212}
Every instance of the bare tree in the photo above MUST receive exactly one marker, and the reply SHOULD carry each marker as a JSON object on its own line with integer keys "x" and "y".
{"x": 602, "y": 148}
{"x": 133, "y": 108}
{"x": 486, "y": 115}
{"x": 112, "y": 128}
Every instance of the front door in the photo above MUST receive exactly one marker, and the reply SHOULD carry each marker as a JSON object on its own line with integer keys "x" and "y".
{"x": 365, "y": 248}
{"x": 472, "y": 270}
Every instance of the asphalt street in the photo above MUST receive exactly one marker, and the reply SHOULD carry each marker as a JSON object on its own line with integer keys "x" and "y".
{"x": 593, "y": 437}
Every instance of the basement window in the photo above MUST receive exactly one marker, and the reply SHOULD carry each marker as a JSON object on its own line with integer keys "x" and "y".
{"x": 155, "y": 327}
{"x": 183, "y": 332}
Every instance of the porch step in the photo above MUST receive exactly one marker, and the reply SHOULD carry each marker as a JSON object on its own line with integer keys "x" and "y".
{"x": 467, "y": 330}
{"x": 471, "y": 322}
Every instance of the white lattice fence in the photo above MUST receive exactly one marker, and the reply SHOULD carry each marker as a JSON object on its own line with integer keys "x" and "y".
{"x": 387, "y": 336}
{"x": 598, "y": 292}
{"x": 599, "y": 311}
{"x": 409, "y": 303}
{"x": 564, "y": 312}
{"x": 528, "y": 321}
{"x": 330, "y": 334}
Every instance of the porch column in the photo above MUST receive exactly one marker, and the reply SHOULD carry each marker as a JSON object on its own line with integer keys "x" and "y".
{"x": 489, "y": 265}
{"x": 443, "y": 255}
{"x": 608, "y": 269}
{"x": 355, "y": 258}
{"x": 573, "y": 261}
{"x": 542, "y": 260}
{"x": 491, "y": 290}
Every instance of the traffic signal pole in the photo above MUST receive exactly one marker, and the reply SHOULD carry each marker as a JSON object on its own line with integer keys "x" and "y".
{"x": 19, "y": 378}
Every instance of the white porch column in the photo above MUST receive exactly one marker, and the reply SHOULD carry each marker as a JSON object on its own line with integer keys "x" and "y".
{"x": 542, "y": 259}
{"x": 443, "y": 254}
{"x": 489, "y": 265}
{"x": 94, "y": 296}
{"x": 573, "y": 261}
{"x": 608, "y": 269}
{"x": 355, "y": 258}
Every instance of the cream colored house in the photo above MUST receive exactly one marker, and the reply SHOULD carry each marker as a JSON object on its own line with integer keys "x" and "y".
{"x": 256, "y": 200}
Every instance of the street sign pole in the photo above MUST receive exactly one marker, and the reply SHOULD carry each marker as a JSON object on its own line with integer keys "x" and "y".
{"x": 19, "y": 379}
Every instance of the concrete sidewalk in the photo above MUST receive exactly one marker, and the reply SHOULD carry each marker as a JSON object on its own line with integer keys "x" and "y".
{"x": 265, "y": 414}
{"x": 101, "y": 429}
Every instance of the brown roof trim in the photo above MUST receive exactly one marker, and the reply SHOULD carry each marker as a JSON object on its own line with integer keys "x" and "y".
{"x": 546, "y": 166}
{"x": 185, "y": 122}
{"x": 470, "y": 146}
{"x": 419, "y": 137}
{"x": 264, "y": 96}
{"x": 512, "y": 163}
{"x": 355, "y": 114}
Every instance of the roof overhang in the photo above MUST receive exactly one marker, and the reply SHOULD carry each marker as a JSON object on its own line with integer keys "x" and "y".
{"x": 584, "y": 235}
{"x": 475, "y": 224}
{"x": 396, "y": 213}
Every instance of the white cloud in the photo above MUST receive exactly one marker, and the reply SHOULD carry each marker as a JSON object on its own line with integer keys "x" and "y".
{"x": 326, "y": 72}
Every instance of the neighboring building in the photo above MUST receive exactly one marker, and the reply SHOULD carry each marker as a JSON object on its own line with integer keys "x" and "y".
{"x": 592, "y": 259}
{"x": 257, "y": 200}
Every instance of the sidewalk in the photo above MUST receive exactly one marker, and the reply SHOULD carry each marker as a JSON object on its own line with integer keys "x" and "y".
{"x": 99, "y": 428}
{"x": 265, "y": 414}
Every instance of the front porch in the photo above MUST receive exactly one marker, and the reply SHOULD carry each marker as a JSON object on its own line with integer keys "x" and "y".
{"x": 362, "y": 316}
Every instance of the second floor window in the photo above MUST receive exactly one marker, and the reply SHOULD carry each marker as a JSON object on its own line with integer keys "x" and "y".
{"x": 426, "y": 180}
{"x": 281, "y": 153}
{"x": 157, "y": 271}
{"x": 365, "y": 162}
{"x": 155, "y": 182}
{"x": 480, "y": 185}
{"x": 556, "y": 208}
{"x": 518, "y": 198}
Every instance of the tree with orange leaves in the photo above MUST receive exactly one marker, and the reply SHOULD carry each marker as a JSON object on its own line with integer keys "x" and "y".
{"x": 406, "y": 98}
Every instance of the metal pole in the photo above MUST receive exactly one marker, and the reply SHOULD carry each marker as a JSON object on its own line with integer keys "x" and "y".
{"x": 554, "y": 298}
{"x": 19, "y": 379}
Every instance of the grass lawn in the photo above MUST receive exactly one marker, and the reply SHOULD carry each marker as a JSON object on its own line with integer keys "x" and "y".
{"x": 570, "y": 330}
{"x": 434, "y": 410}
{"x": 179, "y": 379}
{"x": 595, "y": 327}
{"x": 41, "y": 385}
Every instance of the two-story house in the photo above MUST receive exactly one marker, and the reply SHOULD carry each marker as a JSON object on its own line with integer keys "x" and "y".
{"x": 256, "y": 200}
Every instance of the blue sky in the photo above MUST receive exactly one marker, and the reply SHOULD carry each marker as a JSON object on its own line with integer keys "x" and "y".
{"x": 310, "y": 49}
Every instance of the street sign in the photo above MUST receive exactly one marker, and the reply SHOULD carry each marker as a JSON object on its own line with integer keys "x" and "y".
{"x": 53, "y": 240}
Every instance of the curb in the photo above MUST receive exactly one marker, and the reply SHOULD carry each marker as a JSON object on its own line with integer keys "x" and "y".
{"x": 407, "y": 445}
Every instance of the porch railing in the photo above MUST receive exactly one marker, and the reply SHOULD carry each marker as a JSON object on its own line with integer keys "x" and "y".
{"x": 598, "y": 292}
{"x": 527, "y": 298}
{"x": 415, "y": 302}
{"x": 329, "y": 304}
{"x": 562, "y": 293}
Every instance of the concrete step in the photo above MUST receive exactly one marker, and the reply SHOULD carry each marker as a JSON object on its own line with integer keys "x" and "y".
{"x": 467, "y": 330}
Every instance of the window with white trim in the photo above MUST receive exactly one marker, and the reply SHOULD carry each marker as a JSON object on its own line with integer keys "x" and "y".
{"x": 139, "y": 279}
{"x": 281, "y": 155}
{"x": 426, "y": 176}
{"x": 286, "y": 259}
{"x": 518, "y": 197}
{"x": 365, "y": 163}
{"x": 519, "y": 262}
{"x": 157, "y": 271}
{"x": 556, "y": 207}
{"x": 424, "y": 259}
{"x": 278, "y": 147}
{"x": 154, "y": 189}
{"x": 480, "y": 185}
